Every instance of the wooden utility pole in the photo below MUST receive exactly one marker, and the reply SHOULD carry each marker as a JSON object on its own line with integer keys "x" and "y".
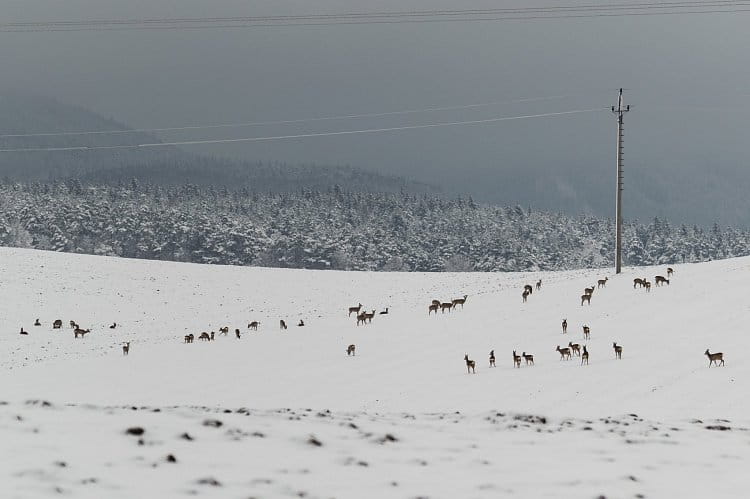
{"x": 620, "y": 110}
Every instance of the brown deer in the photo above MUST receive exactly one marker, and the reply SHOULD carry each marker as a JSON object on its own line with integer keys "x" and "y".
{"x": 661, "y": 280}
{"x": 470, "y": 364}
{"x": 237, "y": 334}
{"x": 638, "y": 282}
{"x": 362, "y": 318}
{"x": 253, "y": 325}
{"x": 618, "y": 350}
{"x": 528, "y": 358}
{"x": 460, "y": 301}
{"x": 369, "y": 316}
{"x": 586, "y": 298}
{"x": 80, "y": 332}
{"x": 73, "y": 325}
{"x": 586, "y": 332}
{"x": 575, "y": 348}
{"x": 529, "y": 288}
{"x": 565, "y": 326}
{"x": 433, "y": 308}
{"x": 714, "y": 358}
{"x": 602, "y": 283}
{"x": 492, "y": 358}
{"x": 589, "y": 291}
{"x": 539, "y": 285}
{"x": 350, "y": 350}
{"x": 647, "y": 285}
{"x": 585, "y": 356}
{"x": 670, "y": 271}
{"x": 564, "y": 353}
{"x": 204, "y": 336}
{"x": 57, "y": 324}
{"x": 436, "y": 302}
{"x": 355, "y": 309}
{"x": 282, "y": 324}
{"x": 224, "y": 330}
{"x": 525, "y": 295}
{"x": 126, "y": 348}
{"x": 446, "y": 306}
{"x": 516, "y": 360}
{"x": 189, "y": 338}
{"x": 213, "y": 335}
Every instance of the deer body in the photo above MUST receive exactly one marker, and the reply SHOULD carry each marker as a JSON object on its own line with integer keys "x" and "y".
{"x": 586, "y": 298}
{"x": 525, "y": 294}
{"x": 282, "y": 324}
{"x": 585, "y": 356}
{"x": 355, "y": 309}
{"x": 528, "y": 358}
{"x": 575, "y": 348}
{"x": 189, "y": 338}
{"x": 80, "y": 332}
{"x": 618, "y": 350}
{"x": 350, "y": 350}
{"x": 602, "y": 283}
{"x": 714, "y": 358}
{"x": 460, "y": 301}
{"x": 637, "y": 282}
{"x": 433, "y": 308}
{"x": 586, "y": 332}
{"x": 204, "y": 336}
{"x": 492, "y": 358}
{"x": 516, "y": 360}
{"x": 539, "y": 285}
{"x": 470, "y": 364}
{"x": 661, "y": 280}
{"x": 564, "y": 352}
{"x": 253, "y": 325}
{"x": 565, "y": 326}
{"x": 126, "y": 348}
{"x": 57, "y": 324}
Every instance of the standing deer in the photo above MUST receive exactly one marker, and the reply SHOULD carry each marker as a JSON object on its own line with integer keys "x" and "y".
{"x": 602, "y": 283}
{"x": 586, "y": 298}
{"x": 282, "y": 324}
{"x": 446, "y": 306}
{"x": 189, "y": 338}
{"x": 237, "y": 334}
{"x": 539, "y": 285}
{"x": 714, "y": 358}
{"x": 528, "y": 358}
{"x": 460, "y": 301}
{"x": 224, "y": 330}
{"x": 369, "y": 316}
{"x": 361, "y": 318}
{"x": 647, "y": 285}
{"x": 575, "y": 348}
{"x": 492, "y": 358}
{"x": 670, "y": 271}
{"x": 529, "y": 288}
{"x": 618, "y": 350}
{"x": 78, "y": 331}
{"x": 433, "y": 308}
{"x": 589, "y": 291}
{"x": 565, "y": 326}
{"x": 585, "y": 356}
{"x": 470, "y": 364}
{"x": 564, "y": 353}
{"x": 126, "y": 348}
{"x": 213, "y": 335}
{"x": 350, "y": 350}
{"x": 525, "y": 294}
{"x": 586, "y": 332}
{"x": 355, "y": 309}
{"x": 516, "y": 360}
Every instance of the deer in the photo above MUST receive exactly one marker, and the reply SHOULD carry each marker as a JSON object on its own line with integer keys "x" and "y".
{"x": 446, "y": 306}
{"x": 575, "y": 348}
{"x": 113, "y": 326}
{"x": 189, "y": 338}
{"x": 492, "y": 358}
{"x": 126, "y": 348}
{"x": 25, "y": 333}
{"x": 516, "y": 360}
{"x": 529, "y": 288}
{"x": 525, "y": 295}
{"x": 253, "y": 325}
{"x": 384, "y": 312}
{"x": 528, "y": 358}
{"x": 647, "y": 285}
{"x": 355, "y": 309}
{"x": 224, "y": 330}
{"x": 350, "y": 350}
{"x": 670, "y": 271}
{"x": 213, "y": 335}
{"x": 618, "y": 350}
{"x": 237, "y": 334}
{"x": 565, "y": 326}
{"x": 57, "y": 324}
{"x": 586, "y": 332}
{"x": 602, "y": 283}
{"x": 638, "y": 282}
{"x": 460, "y": 301}
{"x": 361, "y": 318}
{"x": 713, "y": 358}
{"x": 539, "y": 285}
{"x": 470, "y": 364}
{"x": 661, "y": 280}
{"x": 585, "y": 356}
{"x": 73, "y": 325}
{"x": 589, "y": 291}
{"x": 564, "y": 353}
{"x": 204, "y": 336}
{"x": 433, "y": 308}
{"x": 37, "y": 323}
{"x": 282, "y": 324}
{"x": 436, "y": 302}
{"x": 80, "y": 332}
{"x": 368, "y": 316}
{"x": 586, "y": 298}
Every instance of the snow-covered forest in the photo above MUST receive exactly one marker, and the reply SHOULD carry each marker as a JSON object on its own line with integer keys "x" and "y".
{"x": 334, "y": 230}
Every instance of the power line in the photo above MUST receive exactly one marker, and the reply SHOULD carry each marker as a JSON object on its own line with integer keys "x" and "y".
{"x": 279, "y": 122}
{"x": 392, "y": 17}
{"x": 302, "y": 135}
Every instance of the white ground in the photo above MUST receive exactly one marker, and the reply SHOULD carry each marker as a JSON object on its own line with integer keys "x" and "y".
{"x": 455, "y": 434}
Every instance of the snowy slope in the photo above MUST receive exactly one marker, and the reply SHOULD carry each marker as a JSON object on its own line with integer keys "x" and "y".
{"x": 407, "y": 362}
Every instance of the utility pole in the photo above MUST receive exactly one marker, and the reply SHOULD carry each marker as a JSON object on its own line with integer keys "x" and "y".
{"x": 620, "y": 110}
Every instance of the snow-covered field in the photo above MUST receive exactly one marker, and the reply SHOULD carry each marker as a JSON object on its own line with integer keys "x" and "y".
{"x": 402, "y": 418}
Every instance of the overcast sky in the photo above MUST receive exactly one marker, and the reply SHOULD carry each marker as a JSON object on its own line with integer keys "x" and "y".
{"x": 687, "y": 77}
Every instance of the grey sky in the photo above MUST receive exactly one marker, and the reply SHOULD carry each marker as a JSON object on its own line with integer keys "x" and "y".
{"x": 687, "y": 77}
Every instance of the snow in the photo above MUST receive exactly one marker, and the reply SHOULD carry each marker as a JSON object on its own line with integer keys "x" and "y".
{"x": 456, "y": 434}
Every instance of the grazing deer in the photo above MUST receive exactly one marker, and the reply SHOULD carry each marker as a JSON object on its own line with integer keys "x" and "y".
{"x": 355, "y": 309}
{"x": 57, "y": 324}
{"x": 670, "y": 271}
{"x": 25, "y": 333}
{"x": 589, "y": 291}
{"x": 433, "y": 308}
{"x": 586, "y": 298}
{"x": 224, "y": 330}
{"x": 516, "y": 360}
{"x": 126, "y": 348}
{"x": 446, "y": 306}
{"x": 350, "y": 350}
{"x": 470, "y": 364}
{"x": 384, "y": 312}
{"x": 618, "y": 350}
{"x": 237, "y": 334}
{"x": 525, "y": 295}
{"x": 575, "y": 348}
{"x": 253, "y": 325}
{"x": 565, "y": 326}
{"x": 460, "y": 301}
{"x": 37, "y": 323}
{"x": 113, "y": 326}
{"x": 204, "y": 336}
{"x": 585, "y": 356}
{"x": 436, "y": 302}
{"x": 539, "y": 285}
{"x": 602, "y": 283}
{"x": 586, "y": 332}
{"x": 189, "y": 338}
{"x": 529, "y": 288}
{"x": 647, "y": 285}
{"x": 660, "y": 280}
{"x": 492, "y": 358}
{"x": 638, "y": 282}
{"x": 564, "y": 353}
{"x": 528, "y": 358}
{"x": 714, "y": 358}
{"x": 282, "y": 324}
{"x": 73, "y": 325}
{"x": 80, "y": 332}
